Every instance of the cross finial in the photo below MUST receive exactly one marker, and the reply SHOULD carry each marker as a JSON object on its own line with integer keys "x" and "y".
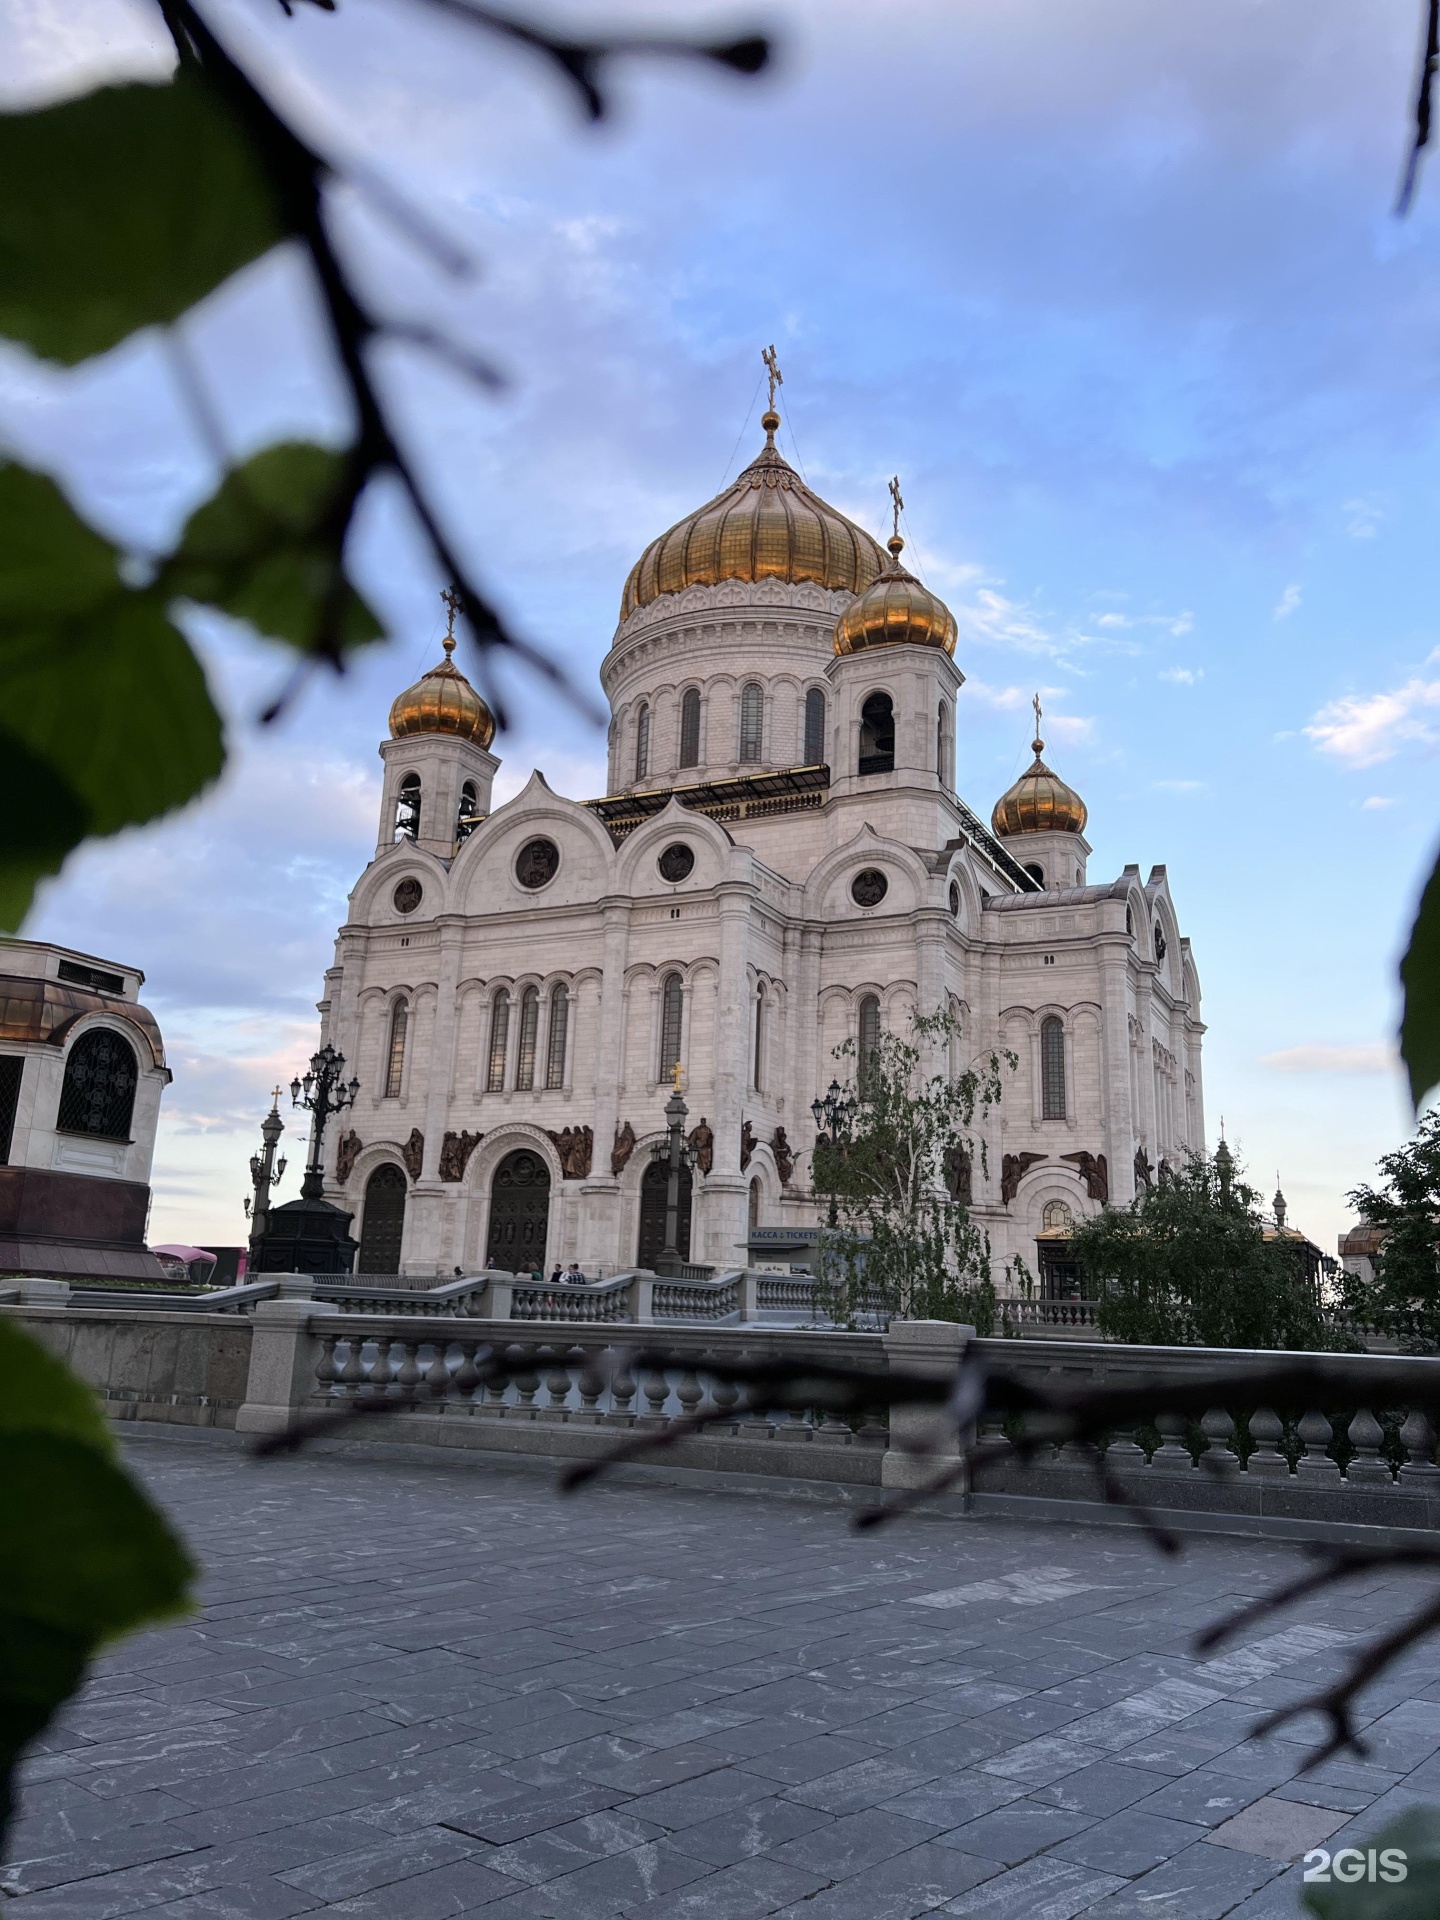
{"x": 897, "y": 507}
{"x": 453, "y": 605}
{"x": 772, "y": 368}
{"x": 1039, "y": 743}
{"x": 677, "y": 1073}
{"x": 275, "y": 1096}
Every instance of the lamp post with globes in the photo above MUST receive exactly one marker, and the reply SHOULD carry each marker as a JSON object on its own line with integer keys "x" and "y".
{"x": 266, "y": 1172}
{"x": 674, "y": 1152}
{"x": 833, "y": 1112}
{"x": 324, "y": 1091}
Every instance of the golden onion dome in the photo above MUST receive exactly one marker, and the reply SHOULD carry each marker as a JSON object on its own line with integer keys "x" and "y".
{"x": 1039, "y": 801}
{"x": 768, "y": 525}
{"x": 894, "y": 611}
{"x": 443, "y": 701}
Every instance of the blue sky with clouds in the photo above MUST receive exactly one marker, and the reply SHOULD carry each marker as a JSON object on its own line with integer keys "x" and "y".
{"x": 1115, "y": 287}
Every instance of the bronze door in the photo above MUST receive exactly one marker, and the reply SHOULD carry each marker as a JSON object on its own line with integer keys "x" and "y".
{"x": 383, "y": 1226}
{"x": 652, "y": 1214}
{"x": 519, "y": 1214}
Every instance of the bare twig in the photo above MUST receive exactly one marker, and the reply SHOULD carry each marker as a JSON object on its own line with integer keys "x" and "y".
{"x": 1424, "y": 92}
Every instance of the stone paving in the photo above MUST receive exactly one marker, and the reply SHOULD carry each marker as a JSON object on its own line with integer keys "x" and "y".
{"x": 423, "y": 1690}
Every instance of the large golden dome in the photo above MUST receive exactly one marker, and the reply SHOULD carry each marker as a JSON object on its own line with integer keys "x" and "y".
{"x": 1039, "y": 801}
{"x": 768, "y": 525}
{"x": 895, "y": 610}
{"x": 443, "y": 701}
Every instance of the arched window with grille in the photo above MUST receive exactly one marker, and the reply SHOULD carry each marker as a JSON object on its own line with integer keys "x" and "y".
{"x": 814, "y": 727}
{"x": 407, "y": 808}
{"x": 1052, "y": 1067}
{"x": 395, "y": 1050}
{"x": 877, "y": 735}
{"x": 690, "y": 727}
{"x": 559, "y": 1029}
{"x": 752, "y": 723}
{"x": 672, "y": 1012}
{"x": 529, "y": 1034}
{"x": 499, "y": 1041}
{"x": 642, "y": 741}
{"x": 467, "y": 814}
{"x": 758, "y": 1057}
{"x": 868, "y": 1039}
{"x": 98, "y": 1092}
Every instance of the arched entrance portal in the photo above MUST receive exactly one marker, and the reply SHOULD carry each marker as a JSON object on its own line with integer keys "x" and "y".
{"x": 519, "y": 1214}
{"x": 383, "y": 1226}
{"x": 652, "y": 1214}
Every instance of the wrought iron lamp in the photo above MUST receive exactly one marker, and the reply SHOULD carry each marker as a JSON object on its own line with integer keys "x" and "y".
{"x": 834, "y": 1112}
{"x": 324, "y": 1091}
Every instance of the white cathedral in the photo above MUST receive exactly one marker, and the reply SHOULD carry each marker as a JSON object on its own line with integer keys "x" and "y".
{"x": 781, "y": 861}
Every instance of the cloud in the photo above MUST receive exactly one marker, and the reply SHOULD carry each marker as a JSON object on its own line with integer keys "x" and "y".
{"x": 1377, "y": 802}
{"x": 1365, "y": 518}
{"x": 1183, "y": 676}
{"x": 1364, "y": 729}
{"x": 1373, "y": 1056}
{"x": 1178, "y": 786}
{"x": 1287, "y": 603}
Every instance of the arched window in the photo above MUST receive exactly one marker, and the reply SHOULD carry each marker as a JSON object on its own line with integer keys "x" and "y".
{"x": 642, "y": 740}
{"x": 690, "y": 727}
{"x": 758, "y": 1061}
{"x": 529, "y": 1033}
{"x": 672, "y": 1004}
{"x": 1052, "y": 1067}
{"x": 559, "y": 1026}
{"x": 814, "y": 727}
{"x": 98, "y": 1092}
{"x": 407, "y": 808}
{"x": 752, "y": 723}
{"x": 1036, "y": 872}
{"x": 869, "y": 1039}
{"x": 395, "y": 1052}
{"x": 499, "y": 1040}
{"x": 1057, "y": 1217}
{"x": 467, "y": 814}
{"x": 877, "y": 735}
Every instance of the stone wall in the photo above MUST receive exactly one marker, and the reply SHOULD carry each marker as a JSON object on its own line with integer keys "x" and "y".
{"x": 188, "y": 1369}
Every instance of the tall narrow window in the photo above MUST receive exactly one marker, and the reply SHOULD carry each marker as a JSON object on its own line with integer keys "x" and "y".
{"x": 814, "y": 727}
{"x": 98, "y": 1092}
{"x": 877, "y": 735}
{"x": 671, "y": 1012}
{"x": 12, "y": 1068}
{"x": 407, "y": 808}
{"x": 642, "y": 740}
{"x": 752, "y": 723}
{"x": 467, "y": 814}
{"x": 690, "y": 727}
{"x": 869, "y": 1039}
{"x": 559, "y": 1028}
{"x": 1052, "y": 1067}
{"x": 499, "y": 1041}
{"x": 529, "y": 1032}
{"x": 395, "y": 1056}
{"x": 759, "y": 1060}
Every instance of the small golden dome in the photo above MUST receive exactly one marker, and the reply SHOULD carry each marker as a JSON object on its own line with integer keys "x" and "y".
{"x": 767, "y": 525}
{"x": 443, "y": 701}
{"x": 894, "y": 611}
{"x": 1039, "y": 801}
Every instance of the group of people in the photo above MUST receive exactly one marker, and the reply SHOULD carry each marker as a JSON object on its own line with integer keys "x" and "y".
{"x": 570, "y": 1276}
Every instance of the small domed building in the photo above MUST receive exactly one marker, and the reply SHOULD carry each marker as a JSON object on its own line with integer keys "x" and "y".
{"x": 781, "y": 861}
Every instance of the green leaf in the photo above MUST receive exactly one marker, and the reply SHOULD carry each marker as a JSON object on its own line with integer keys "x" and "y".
{"x": 84, "y": 1555}
{"x": 41, "y": 819}
{"x": 268, "y": 547}
{"x": 1415, "y": 1835}
{"x": 1420, "y": 977}
{"x": 122, "y": 209}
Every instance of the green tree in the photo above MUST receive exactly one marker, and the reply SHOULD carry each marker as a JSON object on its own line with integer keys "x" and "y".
{"x": 1404, "y": 1296}
{"x": 904, "y": 1246}
{"x": 1188, "y": 1264}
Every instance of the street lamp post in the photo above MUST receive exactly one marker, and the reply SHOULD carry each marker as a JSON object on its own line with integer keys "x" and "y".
{"x": 323, "y": 1091}
{"x": 674, "y": 1153}
{"x": 265, "y": 1172}
{"x": 833, "y": 1113}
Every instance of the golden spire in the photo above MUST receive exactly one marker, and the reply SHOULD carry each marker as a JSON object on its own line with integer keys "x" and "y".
{"x": 770, "y": 419}
{"x": 453, "y": 605}
{"x": 897, "y": 505}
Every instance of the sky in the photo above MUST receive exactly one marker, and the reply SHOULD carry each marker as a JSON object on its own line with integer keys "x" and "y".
{"x": 1115, "y": 287}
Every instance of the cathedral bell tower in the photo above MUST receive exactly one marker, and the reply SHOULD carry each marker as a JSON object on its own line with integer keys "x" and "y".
{"x": 438, "y": 765}
{"x": 1042, "y": 822}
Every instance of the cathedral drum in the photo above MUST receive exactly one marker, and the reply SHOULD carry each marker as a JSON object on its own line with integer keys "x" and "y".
{"x": 519, "y": 1214}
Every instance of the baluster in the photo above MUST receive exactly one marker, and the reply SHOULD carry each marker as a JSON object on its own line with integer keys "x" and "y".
{"x": 1315, "y": 1464}
{"x": 1417, "y": 1436}
{"x": 326, "y": 1371}
{"x": 689, "y": 1392}
{"x": 467, "y": 1374}
{"x": 1124, "y": 1453}
{"x": 353, "y": 1371}
{"x": 592, "y": 1385}
{"x": 498, "y": 1386}
{"x": 1366, "y": 1468}
{"x": 1266, "y": 1460}
{"x": 1218, "y": 1457}
{"x": 622, "y": 1392}
{"x": 437, "y": 1374}
{"x": 379, "y": 1382}
{"x": 1172, "y": 1455}
{"x": 726, "y": 1395}
{"x": 527, "y": 1385}
{"x": 1077, "y": 1453}
{"x": 874, "y": 1428}
{"x": 407, "y": 1374}
{"x": 657, "y": 1391}
{"x": 557, "y": 1379}
{"x": 991, "y": 1437}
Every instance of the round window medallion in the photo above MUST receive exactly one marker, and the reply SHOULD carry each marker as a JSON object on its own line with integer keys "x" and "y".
{"x": 408, "y": 895}
{"x": 677, "y": 862}
{"x": 869, "y": 887}
{"x": 955, "y": 899}
{"x": 537, "y": 863}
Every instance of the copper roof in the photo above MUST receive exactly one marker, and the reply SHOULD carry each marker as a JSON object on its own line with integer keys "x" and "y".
{"x": 895, "y": 610}
{"x": 46, "y": 1010}
{"x": 442, "y": 701}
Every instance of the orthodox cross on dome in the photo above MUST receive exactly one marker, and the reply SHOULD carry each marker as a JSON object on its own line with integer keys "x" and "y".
{"x": 772, "y": 369}
{"x": 453, "y": 604}
{"x": 1038, "y": 743}
{"x": 897, "y": 507}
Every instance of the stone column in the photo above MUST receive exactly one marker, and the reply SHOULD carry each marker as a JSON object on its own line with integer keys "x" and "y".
{"x": 1115, "y": 1068}
{"x": 600, "y": 1193}
{"x": 1147, "y": 1119}
{"x": 283, "y": 1353}
{"x": 726, "y": 1187}
{"x": 924, "y": 1441}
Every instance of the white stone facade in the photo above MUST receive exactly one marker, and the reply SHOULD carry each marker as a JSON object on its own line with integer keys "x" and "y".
{"x": 772, "y": 954}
